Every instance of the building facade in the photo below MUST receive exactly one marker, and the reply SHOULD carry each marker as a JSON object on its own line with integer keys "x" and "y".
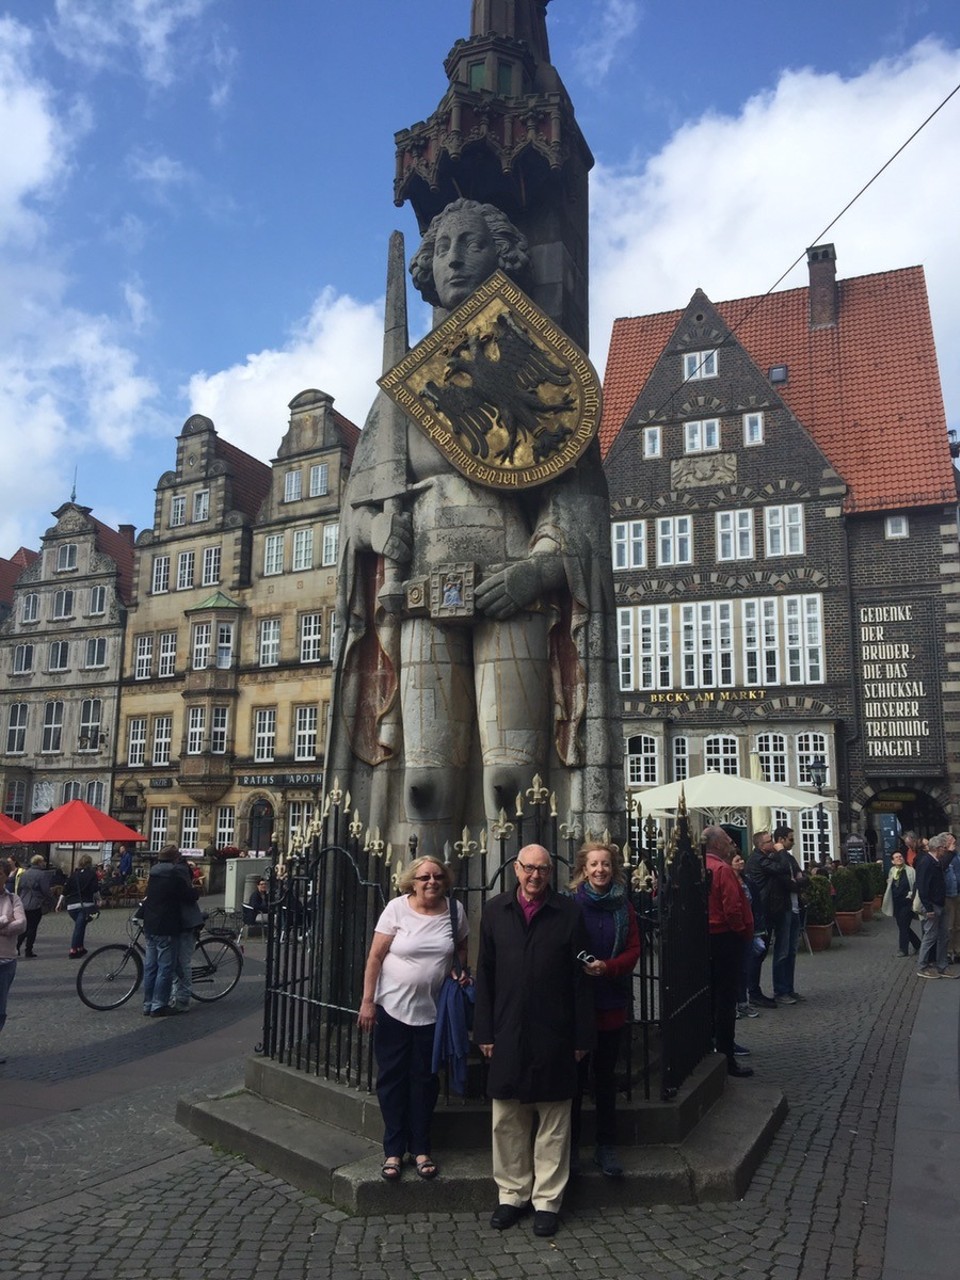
{"x": 784, "y": 523}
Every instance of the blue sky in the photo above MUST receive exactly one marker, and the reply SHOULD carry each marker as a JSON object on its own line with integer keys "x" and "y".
{"x": 196, "y": 196}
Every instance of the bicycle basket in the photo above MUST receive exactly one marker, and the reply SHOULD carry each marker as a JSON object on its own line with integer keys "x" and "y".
{"x": 224, "y": 924}
{"x": 135, "y": 925}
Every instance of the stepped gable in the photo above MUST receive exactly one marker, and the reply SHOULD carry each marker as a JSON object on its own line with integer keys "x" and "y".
{"x": 861, "y": 386}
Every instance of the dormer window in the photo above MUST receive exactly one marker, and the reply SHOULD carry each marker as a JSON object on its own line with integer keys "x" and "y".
{"x": 66, "y": 557}
{"x": 777, "y": 373}
{"x": 698, "y": 365}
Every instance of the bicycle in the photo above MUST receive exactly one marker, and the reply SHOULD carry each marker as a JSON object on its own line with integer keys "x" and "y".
{"x": 111, "y": 975}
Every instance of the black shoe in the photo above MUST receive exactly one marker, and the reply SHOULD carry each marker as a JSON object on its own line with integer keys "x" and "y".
{"x": 30, "y": 955}
{"x": 163, "y": 1012}
{"x": 763, "y": 1002}
{"x": 740, "y": 1052}
{"x": 545, "y": 1223}
{"x": 605, "y": 1158}
{"x": 507, "y": 1215}
{"x": 734, "y": 1069}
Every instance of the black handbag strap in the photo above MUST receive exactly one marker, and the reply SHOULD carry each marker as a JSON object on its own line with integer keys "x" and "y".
{"x": 457, "y": 966}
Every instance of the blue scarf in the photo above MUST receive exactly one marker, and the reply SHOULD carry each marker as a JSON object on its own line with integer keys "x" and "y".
{"x": 613, "y": 899}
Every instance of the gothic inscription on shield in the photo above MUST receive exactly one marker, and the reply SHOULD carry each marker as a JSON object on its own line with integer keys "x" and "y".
{"x": 500, "y": 390}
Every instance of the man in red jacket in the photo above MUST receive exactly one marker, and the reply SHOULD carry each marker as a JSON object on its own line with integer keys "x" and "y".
{"x": 731, "y": 925}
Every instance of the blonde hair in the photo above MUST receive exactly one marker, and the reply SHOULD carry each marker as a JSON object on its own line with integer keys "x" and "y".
{"x": 579, "y": 873}
{"x": 409, "y": 874}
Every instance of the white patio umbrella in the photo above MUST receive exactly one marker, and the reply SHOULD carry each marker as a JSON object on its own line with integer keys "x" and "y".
{"x": 761, "y": 818}
{"x": 714, "y": 792}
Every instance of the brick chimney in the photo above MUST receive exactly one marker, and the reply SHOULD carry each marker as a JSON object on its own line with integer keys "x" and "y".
{"x": 126, "y": 532}
{"x": 824, "y": 297}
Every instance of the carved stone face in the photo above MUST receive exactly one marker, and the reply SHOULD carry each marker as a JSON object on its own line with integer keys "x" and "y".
{"x": 465, "y": 254}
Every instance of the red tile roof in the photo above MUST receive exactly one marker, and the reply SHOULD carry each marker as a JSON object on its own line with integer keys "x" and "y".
{"x": 118, "y": 545}
{"x": 10, "y": 571}
{"x": 867, "y": 389}
{"x": 251, "y": 478}
{"x": 349, "y": 434}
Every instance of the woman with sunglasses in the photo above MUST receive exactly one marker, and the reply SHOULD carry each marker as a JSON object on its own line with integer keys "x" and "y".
{"x": 411, "y": 954}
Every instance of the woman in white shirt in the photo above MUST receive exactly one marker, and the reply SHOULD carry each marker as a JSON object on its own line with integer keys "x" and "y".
{"x": 411, "y": 954}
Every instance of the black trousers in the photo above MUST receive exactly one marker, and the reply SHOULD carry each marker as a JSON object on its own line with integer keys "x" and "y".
{"x": 407, "y": 1089}
{"x": 903, "y": 914}
{"x": 29, "y": 937}
{"x": 603, "y": 1061}
{"x": 726, "y": 958}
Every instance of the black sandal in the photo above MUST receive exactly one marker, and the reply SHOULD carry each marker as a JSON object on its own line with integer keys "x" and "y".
{"x": 426, "y": 1168}
{"x": 390, "y": 1169}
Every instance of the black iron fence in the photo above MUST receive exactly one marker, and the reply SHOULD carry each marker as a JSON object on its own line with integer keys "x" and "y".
{"x": 326, "y": 897}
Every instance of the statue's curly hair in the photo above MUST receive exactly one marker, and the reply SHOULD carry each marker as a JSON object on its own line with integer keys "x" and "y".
{"x": 513, "y": 253}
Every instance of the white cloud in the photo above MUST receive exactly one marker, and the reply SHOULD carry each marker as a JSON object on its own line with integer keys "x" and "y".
{"x": 98, "y": 33}
{"x": 160, "y": 173}
{"x": 337, "y": 349}
{"x": 610, "y": 26}
{"x": 729, "y": 202}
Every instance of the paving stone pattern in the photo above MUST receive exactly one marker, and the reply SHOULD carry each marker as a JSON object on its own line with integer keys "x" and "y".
{"x": 118, "y": 1191}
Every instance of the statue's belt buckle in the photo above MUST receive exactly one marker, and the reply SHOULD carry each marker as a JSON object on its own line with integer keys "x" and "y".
{"x": 446, "y": 594}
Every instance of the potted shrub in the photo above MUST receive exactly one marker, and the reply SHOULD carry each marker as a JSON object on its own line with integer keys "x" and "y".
{"x": 847, "y": 900}
{"x": 879, "y": 884}
{"x": 819, "y": 900}
{"x": 864, "y": 876}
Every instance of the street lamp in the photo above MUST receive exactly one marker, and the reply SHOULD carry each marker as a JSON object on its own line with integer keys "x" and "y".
{"x": 818, "y": 773}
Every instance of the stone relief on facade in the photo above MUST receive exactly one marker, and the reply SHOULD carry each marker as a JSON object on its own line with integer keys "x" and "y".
{"x": 705, "y": 469}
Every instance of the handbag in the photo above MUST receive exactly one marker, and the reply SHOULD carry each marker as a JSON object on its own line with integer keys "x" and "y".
{"x": 917, "y": 906}
{"x": 468, "y": 995}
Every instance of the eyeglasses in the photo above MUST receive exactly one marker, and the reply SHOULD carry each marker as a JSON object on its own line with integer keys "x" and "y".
{"x": 422, "y": 879}
{"x": 533, "y": 871}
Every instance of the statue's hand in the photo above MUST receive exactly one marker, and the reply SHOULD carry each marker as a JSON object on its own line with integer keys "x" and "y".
{"x": 506, "y": 591}
{"x": 392, "y": 536}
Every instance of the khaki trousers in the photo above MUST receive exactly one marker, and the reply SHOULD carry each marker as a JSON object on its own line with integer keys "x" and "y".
{"x": 527, "y": 1167}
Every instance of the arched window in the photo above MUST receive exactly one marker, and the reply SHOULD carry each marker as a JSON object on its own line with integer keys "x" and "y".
{"x": 642, "y": 760}
{"x": 721, "y": 754}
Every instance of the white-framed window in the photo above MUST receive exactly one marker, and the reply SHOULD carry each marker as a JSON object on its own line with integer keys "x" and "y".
{"x": 629, "y": 544}
{"x": 701, "y": 435}
{"x": 811, "y": 746}
{"x": 305, "y": 733}
{"x": 807, "y": 850}
{"x": 699, "y": 364}
{"x": 721, "y": 753}
{"x": 30, "y": 607}
{"x": 761, "y": 641}
{"x": 706, "y": 639}
{"x": 16, "y": 799}
{"x": 136, "y": 741}
{"x": 264, "y": 733}
{"x": 681, "y": 759}
{"x": 96, "y": 654}
{"x": 158, "y": 828}
{"x": 319, "y": 473}
{"x": 302, "y": 549}
{"x": 652, "y": 442}
{"x": 300, "y": 815}
{"x": 656, "y": 647}
{"x": 272, "y": 554}
{"x": 196, "y": 730}
{"x": 17, "y": 729}
{"x": 96, "y": 794}
{"x": 178, "y": 510}
{"x": 201, "y": 506}
{"x": 185, "y": 570}
{"x": 224, "y": 645}
{"x": 66, "y": 557}
{"x": 269, "y": 642}
{"x": 52, "y": 739}
{"x": 219, "y": 725}
{"x": 896, "y": 527}
{"x": 292, "y": 486}
{"x": 311, "y": 635}
{"x": 211, "y": 566}
{"x": 98, "y": 601}
{"x": 331, "y": 534}
{"x": 735, "y": 534}
{"x": 772, "y": 750}
{"x": 63, "y": 604}
{"x": 167, "y": 664}
{"x": 803, "y": 633}
{"x": 22, "y": 659}
{"x": 161, "y": 575}
{"x": 674, "y": 540}
{"x": 59, "y": 656}
{"x": 162, "y": 738}
{"x": 625, "y": 646}
{"x": 784, "y": 529}
{"x": 91, "y": 716}
{"x": 189, "y": 826}
{"x": 201, "y": 645}
{"x": 71, "y": 791}
{"x": 642, "y": 761}
{"x": 226, "y": 825}
{"x": 143, "y": 658}
{"x": 752, "y": 428}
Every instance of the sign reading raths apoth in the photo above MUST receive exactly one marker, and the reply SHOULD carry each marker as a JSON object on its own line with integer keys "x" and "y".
{"x": 900, "y": 685}
{"x": 501, "y": 391}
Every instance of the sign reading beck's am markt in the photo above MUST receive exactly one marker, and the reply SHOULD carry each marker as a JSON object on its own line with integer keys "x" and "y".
{"x": 500, "y": 390}
{"x": 901, "y": 725}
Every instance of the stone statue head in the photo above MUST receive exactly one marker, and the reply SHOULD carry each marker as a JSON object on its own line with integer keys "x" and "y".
{"x": 462, "y": 247}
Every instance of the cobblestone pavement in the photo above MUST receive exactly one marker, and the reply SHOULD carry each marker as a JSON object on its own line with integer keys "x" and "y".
{"x": 117, "y": 1191}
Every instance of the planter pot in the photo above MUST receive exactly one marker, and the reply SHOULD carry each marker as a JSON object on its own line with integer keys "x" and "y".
{"x": 818, "y": 935}
{"x": 849, "y": 921}
{"x": 877, "y": 904}
{"x": 867, "y": 911}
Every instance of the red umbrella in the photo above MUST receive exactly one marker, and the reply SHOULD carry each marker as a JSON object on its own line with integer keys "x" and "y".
{"x": 9, "y": 830}
{"x": 75, "y": 822}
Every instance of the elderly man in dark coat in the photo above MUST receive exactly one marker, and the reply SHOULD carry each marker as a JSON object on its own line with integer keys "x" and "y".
{"x": 169, "y": 892}
{"x": 534, "y": 1021}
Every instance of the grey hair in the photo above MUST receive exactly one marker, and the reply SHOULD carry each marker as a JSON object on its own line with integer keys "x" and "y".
{"x": 939, "y": 841}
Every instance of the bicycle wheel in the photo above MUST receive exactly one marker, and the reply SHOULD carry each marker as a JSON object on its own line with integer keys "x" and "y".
{"x": 216, "y": 968}
{"x": 109, "y": 976}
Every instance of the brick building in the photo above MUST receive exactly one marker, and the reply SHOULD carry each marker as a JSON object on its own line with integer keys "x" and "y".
{"x": 784, "y": 510}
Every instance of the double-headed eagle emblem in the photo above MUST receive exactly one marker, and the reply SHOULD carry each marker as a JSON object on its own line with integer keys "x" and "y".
{"x": 500, "y": 390}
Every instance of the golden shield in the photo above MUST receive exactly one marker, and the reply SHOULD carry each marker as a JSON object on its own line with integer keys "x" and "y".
{"x": 500, "y": 390}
